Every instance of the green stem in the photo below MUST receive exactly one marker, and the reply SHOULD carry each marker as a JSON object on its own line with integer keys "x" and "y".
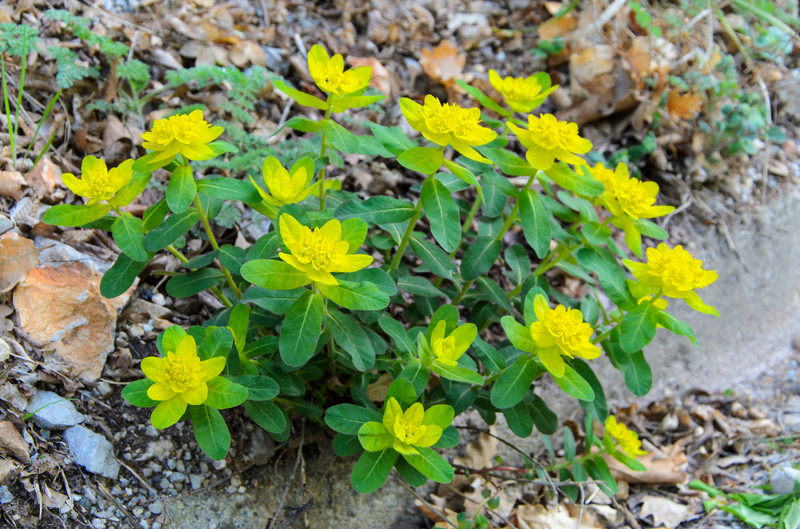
{"x": 471, "y": 215}
{"x": 463, "y": 291}
{"x": 174, "y": 251}
{"x": 565, "y": 464}
{"x": 513, "y": 215}
{"x": 542, "y": 269}
{"x": 117, "y": 210}
{"x": 602, "y": 337}
{"x": 322, "y": 151}
{"x": 404, "y": 242}
{"x": 214, "y": 245}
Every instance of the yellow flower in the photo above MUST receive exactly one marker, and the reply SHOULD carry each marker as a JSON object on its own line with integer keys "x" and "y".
{"x": 675, "y": 273}
{"x": 97, "y": 183}
{"x": 449, "y": 124}
{"x": 180, "y": 379}
{"x": 627, "y": 440}
{"x": 283, "y": 188}
{"x": 319, "y": 252}
{"x": 448, "y": 349}
{"x": 661, "y": 303}
{"x": 521, "y": 94}
{"x": 637, "y": 199}
{"x": 405, "y": 431}
{"x": 560, "y": 331}
{"x": 607, "y": 177}
{"x": 182, "y": 134}
{"x": 329, "y": 74}
{"x": 548, "y": 139}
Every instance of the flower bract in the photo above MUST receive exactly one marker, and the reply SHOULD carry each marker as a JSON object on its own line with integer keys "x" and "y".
{"x": 548, "y": 139}
{"x": 284, "y": 188}
{"x": 405, "y": 431}
{"x": 449, "y": 124}
{"x": 521, "y": 94}
{"x": 448, "y": 349}
{"x": 627, "y": 440}
{"x": 319, "y": 252}
{"x": 180, "y": 379}
{"x": 97, "y": 182}
{"x": 184, "y": 134}
{"x": 558, "y": 332}
{"x": 330, "y": 75}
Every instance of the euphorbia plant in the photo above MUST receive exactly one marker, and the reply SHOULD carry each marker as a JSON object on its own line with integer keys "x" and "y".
{"x": 342, "y": 291}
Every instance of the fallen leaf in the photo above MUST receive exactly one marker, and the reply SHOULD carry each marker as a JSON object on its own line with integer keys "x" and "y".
{"x": 541, "y": 517}
{"x": 665, "y": 511}
{"x": 11, "y": 183}
{"x": 381, "y": 78}
{"x": 556, "y": 27}
{"x": 666, "y": 468}
{"x": 248, "y": 52}
{"x": 639, "y": 55}
{"x": 52, "y": 499}
{"x": 443, "y": 63}
{"x": 480, "y": 453}
{"x": 117, "y": 142}
{"x": 684, "y": 106}
{"x": 11, "y": 441}
{"x": 45, "y": 177}
{"x": 18, "y": 256}
{"x": 376, "y": 391}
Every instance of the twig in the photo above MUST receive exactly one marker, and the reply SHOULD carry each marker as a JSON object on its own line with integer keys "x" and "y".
{"x": 285, "y": 114}
{"x": 420, "y": 498}
{"x": 116, "y": 502}
{"x": 291, "y": 477}
{"x": 626, "y": 513}
{"x": 301, "y": 48}
{"x": 506, "y": 520}
{"x": 768, "y": 147}
{"x": 677, "y": 210}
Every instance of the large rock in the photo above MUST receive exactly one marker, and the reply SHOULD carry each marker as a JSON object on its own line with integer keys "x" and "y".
{"x": 53, "y": 412}
{"x": 785, "y": 480}
{"x": 60, "y": 303}
{"x": 92, "y": 451}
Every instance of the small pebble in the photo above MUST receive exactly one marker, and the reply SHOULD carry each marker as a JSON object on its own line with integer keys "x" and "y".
{"x": 5, "y": 495}
{"x": 155, "y": 507}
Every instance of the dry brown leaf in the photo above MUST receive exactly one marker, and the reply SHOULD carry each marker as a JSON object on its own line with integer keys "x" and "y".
{"x": 18, "y": 256}
{"x": 45, "y": 177}
{"x": 665, "y": 511}
{"x": 381, "y": 78}
{"x": 590, "y": 63}
{"x": 639, "y": 55}
{"x": 248, "y": 52}
{"x": 376, "y": 391}
{"x": 556, "y": 27}
{"x": 558, "y": 517}
{"x": 480, "y": 453}
{"x": 667, "y": 468}
{"x": 117, "y": 142}
{"x": 443, "y": 63}
{"x": 684, "y": 106}
{"x": 11, "y": 183}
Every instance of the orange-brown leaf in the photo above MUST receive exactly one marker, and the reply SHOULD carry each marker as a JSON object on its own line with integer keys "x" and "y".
{"x": 684, "y": 106}
{"x": 443, "y": 63}
{"x": 18, "y": 256}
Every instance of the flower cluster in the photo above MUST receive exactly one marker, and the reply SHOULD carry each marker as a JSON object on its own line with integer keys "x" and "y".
{"x": 446, "y": 350}
{"x": 330, "y": 75}
{"x": 406, "y": 431}
{"x": 97, "y": 182}
{"x": 284, "y": 188}
{"x": 548, "y": 139}
{"x": 627, "y": 440}
{"x": 628, "y": 196}
{"x": 184, "y": 134}
{"x": 521, "y": 94}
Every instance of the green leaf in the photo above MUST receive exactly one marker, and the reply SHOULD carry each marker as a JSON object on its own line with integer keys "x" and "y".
{"x": 545, "y": 420}
{"x": 224, "y": 394}
{"x": 374, "y": 437}
{"x": 431, "y": 465}
{"x": 348, "y": 418}
{"x": 232, "y": 258}
{"x": 482, "y": 98}
{"x": 307, "y": 100}
{"x": 457, "y": 374}
{"x": 437, "y": 261}
{"x": 355, "y": 296}
{"x": 629, "y": 462}
{"x": 340, "y": 105}
{"x": 494, "y": 200}
{"x": 145, "y": 164}
{"x": 184, "y": 286}
{"x": 509, "y": 163}
{"x": 596, "y": 233}
{"x": 464, "y": 174}
{"x": 671, "y": 323}
{"x": 267, "y": 415}
{"x": 581, "y": 184}
{"x": 154, "y": 215}
{"x": 264, "y": 248}
{"x": 339, "y": 137}
{"x": 611, "y": 276}
{"x": 274, "y": 275}
{"x": 275, "y": 301}
{"x": 638, "y": 375}
{"x": 349, "y": 335}
{"x": 134, "y": 188}
{"x": 291, "y": 384}
{"x": 216, "y": 343}
{"x": 403, "y": 391}
{"x": 517, "y": 259}
{"x": 569, "y": 445}
{"x": 650, "y": 229}
{"x": 574, "y": 385}
{"x": 598, "y": 469}
{"x": 127, "y": 231}
{"x": 74, "y": 216}
{"x": 417, "y": 374}
{"x": 496, "y": 294}
{"x": 346, "y": 445}
{"x": 259, "y": 388}
{"x": 598, "y": 406}
{"x": 200, "y": 261}
{"x": 514, "y": 382}
{"x": 372, "y": 469}
{"x": 419, "y": 286}
{"x": 135, "y": 393}
{"x": 301, "y": 329}
{"x": 301, "y": 124}
{"x": 590, "y": 310}
{"x": 442, "y": 213}
{"x": 425, "y": 160}
{"x": 480, "y": 257}
{"x": 460, "y": 397}
{"x": 449, "y": 438}
{"x": 238, "y": 322}
{"x": 120, "y": 277}
{"x": 413, "y": 477}
{"x": 169, "y": 230}
{"x": 181, "y": 189}
{"x": 229, "y": 189}
{"x": 638, "y": 327}
{"x": 519, "y": 335}
{"x": 488, "y": 355}
{"x": 210, "y": 431}
{"x": 403, "y": 344}
{"x": 392, "y": 138}
{"x": 378, "y": 210}
{"x": 535, "y": 222}
{"x": 519, "y": 419}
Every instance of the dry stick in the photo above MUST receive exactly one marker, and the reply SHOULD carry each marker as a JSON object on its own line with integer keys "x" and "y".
{"x": 506, "y": 520}
{"x": 626, "y": 513}
{"x": 436, "y": 511}
{"x": 116, "y": 502}
{"x": 768, "y": 147}
{"x": 291, "y": 477}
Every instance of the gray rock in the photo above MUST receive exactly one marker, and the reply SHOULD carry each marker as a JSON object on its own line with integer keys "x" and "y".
{"x": 92, "y": 451}
{"x": 196, "y": 480}
{"x": 156, "y": 507}
{"x": 54, "y": 412}
{"x": 785, "y": 480}
{"x": 5, "y": 224}
{"x": 5, "y": 496}
{"x": 59, "y": 254}
{"x": 177, "y": 477}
